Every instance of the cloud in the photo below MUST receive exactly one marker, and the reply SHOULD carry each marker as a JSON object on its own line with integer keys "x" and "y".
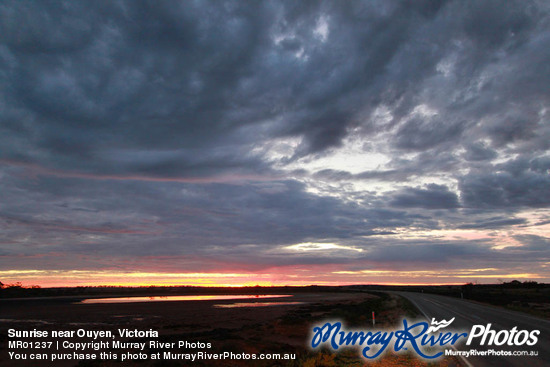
{"x": 129, "y": 77}
{"x": 429, "y": 253}
{"x": 221, "y": 133}
{"x": 517, "y": 183}
{"x": 479, "y": 152}
{"x": 533, "y": 243}
{"x": 432, "y": 197}
{"x": 494, "y": 223}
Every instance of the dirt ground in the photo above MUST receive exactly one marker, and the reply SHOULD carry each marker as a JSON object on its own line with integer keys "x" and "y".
{"x": 277, "y": 328}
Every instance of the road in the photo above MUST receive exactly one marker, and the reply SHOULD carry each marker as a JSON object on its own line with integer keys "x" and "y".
{"x": 468, "y": 313}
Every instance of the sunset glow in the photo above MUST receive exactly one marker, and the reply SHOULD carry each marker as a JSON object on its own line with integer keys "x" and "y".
{"x": 46, "y": 278}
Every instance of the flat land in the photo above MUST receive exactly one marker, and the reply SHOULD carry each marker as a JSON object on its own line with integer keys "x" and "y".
{"x": 284, "y": 329}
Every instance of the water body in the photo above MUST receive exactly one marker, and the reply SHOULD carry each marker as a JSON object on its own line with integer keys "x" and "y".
{"x": 180, "y": 298}
{"x": 257, "y": 304}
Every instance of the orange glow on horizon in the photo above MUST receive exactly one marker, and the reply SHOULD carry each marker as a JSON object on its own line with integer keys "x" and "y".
{"x": 278, "y": 277}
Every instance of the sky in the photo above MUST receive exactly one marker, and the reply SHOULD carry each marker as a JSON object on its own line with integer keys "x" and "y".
{"x": 274, "y": 142}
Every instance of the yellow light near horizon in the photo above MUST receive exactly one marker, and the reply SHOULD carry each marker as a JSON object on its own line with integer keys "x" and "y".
{"x": 278, "y": 277}
{"x": 467, "y": 273}
{"x": 57, "y": 278}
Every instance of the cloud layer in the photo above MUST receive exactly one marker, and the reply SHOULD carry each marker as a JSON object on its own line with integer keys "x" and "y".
{"x": 206, "y": 137}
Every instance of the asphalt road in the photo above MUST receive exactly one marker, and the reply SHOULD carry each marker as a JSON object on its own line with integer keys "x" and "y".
{"x": 468, "y": 313}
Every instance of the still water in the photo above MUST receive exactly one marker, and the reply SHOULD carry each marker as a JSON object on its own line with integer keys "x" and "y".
{"x": 257, "y": 304}
{"x": 180, "y": 298}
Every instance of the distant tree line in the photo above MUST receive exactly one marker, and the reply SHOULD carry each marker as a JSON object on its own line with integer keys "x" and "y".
{"x": 17, "y": 285}
{"x": 512, "y": 284}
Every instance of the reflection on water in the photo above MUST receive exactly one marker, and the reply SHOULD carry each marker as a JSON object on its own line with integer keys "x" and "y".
{"x": 257, "y": 304}
{"x": 179, "y": 298}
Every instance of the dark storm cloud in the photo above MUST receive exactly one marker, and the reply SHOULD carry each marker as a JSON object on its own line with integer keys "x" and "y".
{"x": 431, "y": 197}
{"x": 186, "y": 218}
{"x": 479, "y": 152}
{"x": 179, "y": 82}
{"x": 533, "y": 243}
{"x": 518, "y": 183}
{"x": 132, "y": 123}
{"x": 435, "y": 252}
{"x": 493, "y": 223}
{"x": 421, "y": 133}
{"x": 412, "y": 255}
{"x": 110, "y": 81}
